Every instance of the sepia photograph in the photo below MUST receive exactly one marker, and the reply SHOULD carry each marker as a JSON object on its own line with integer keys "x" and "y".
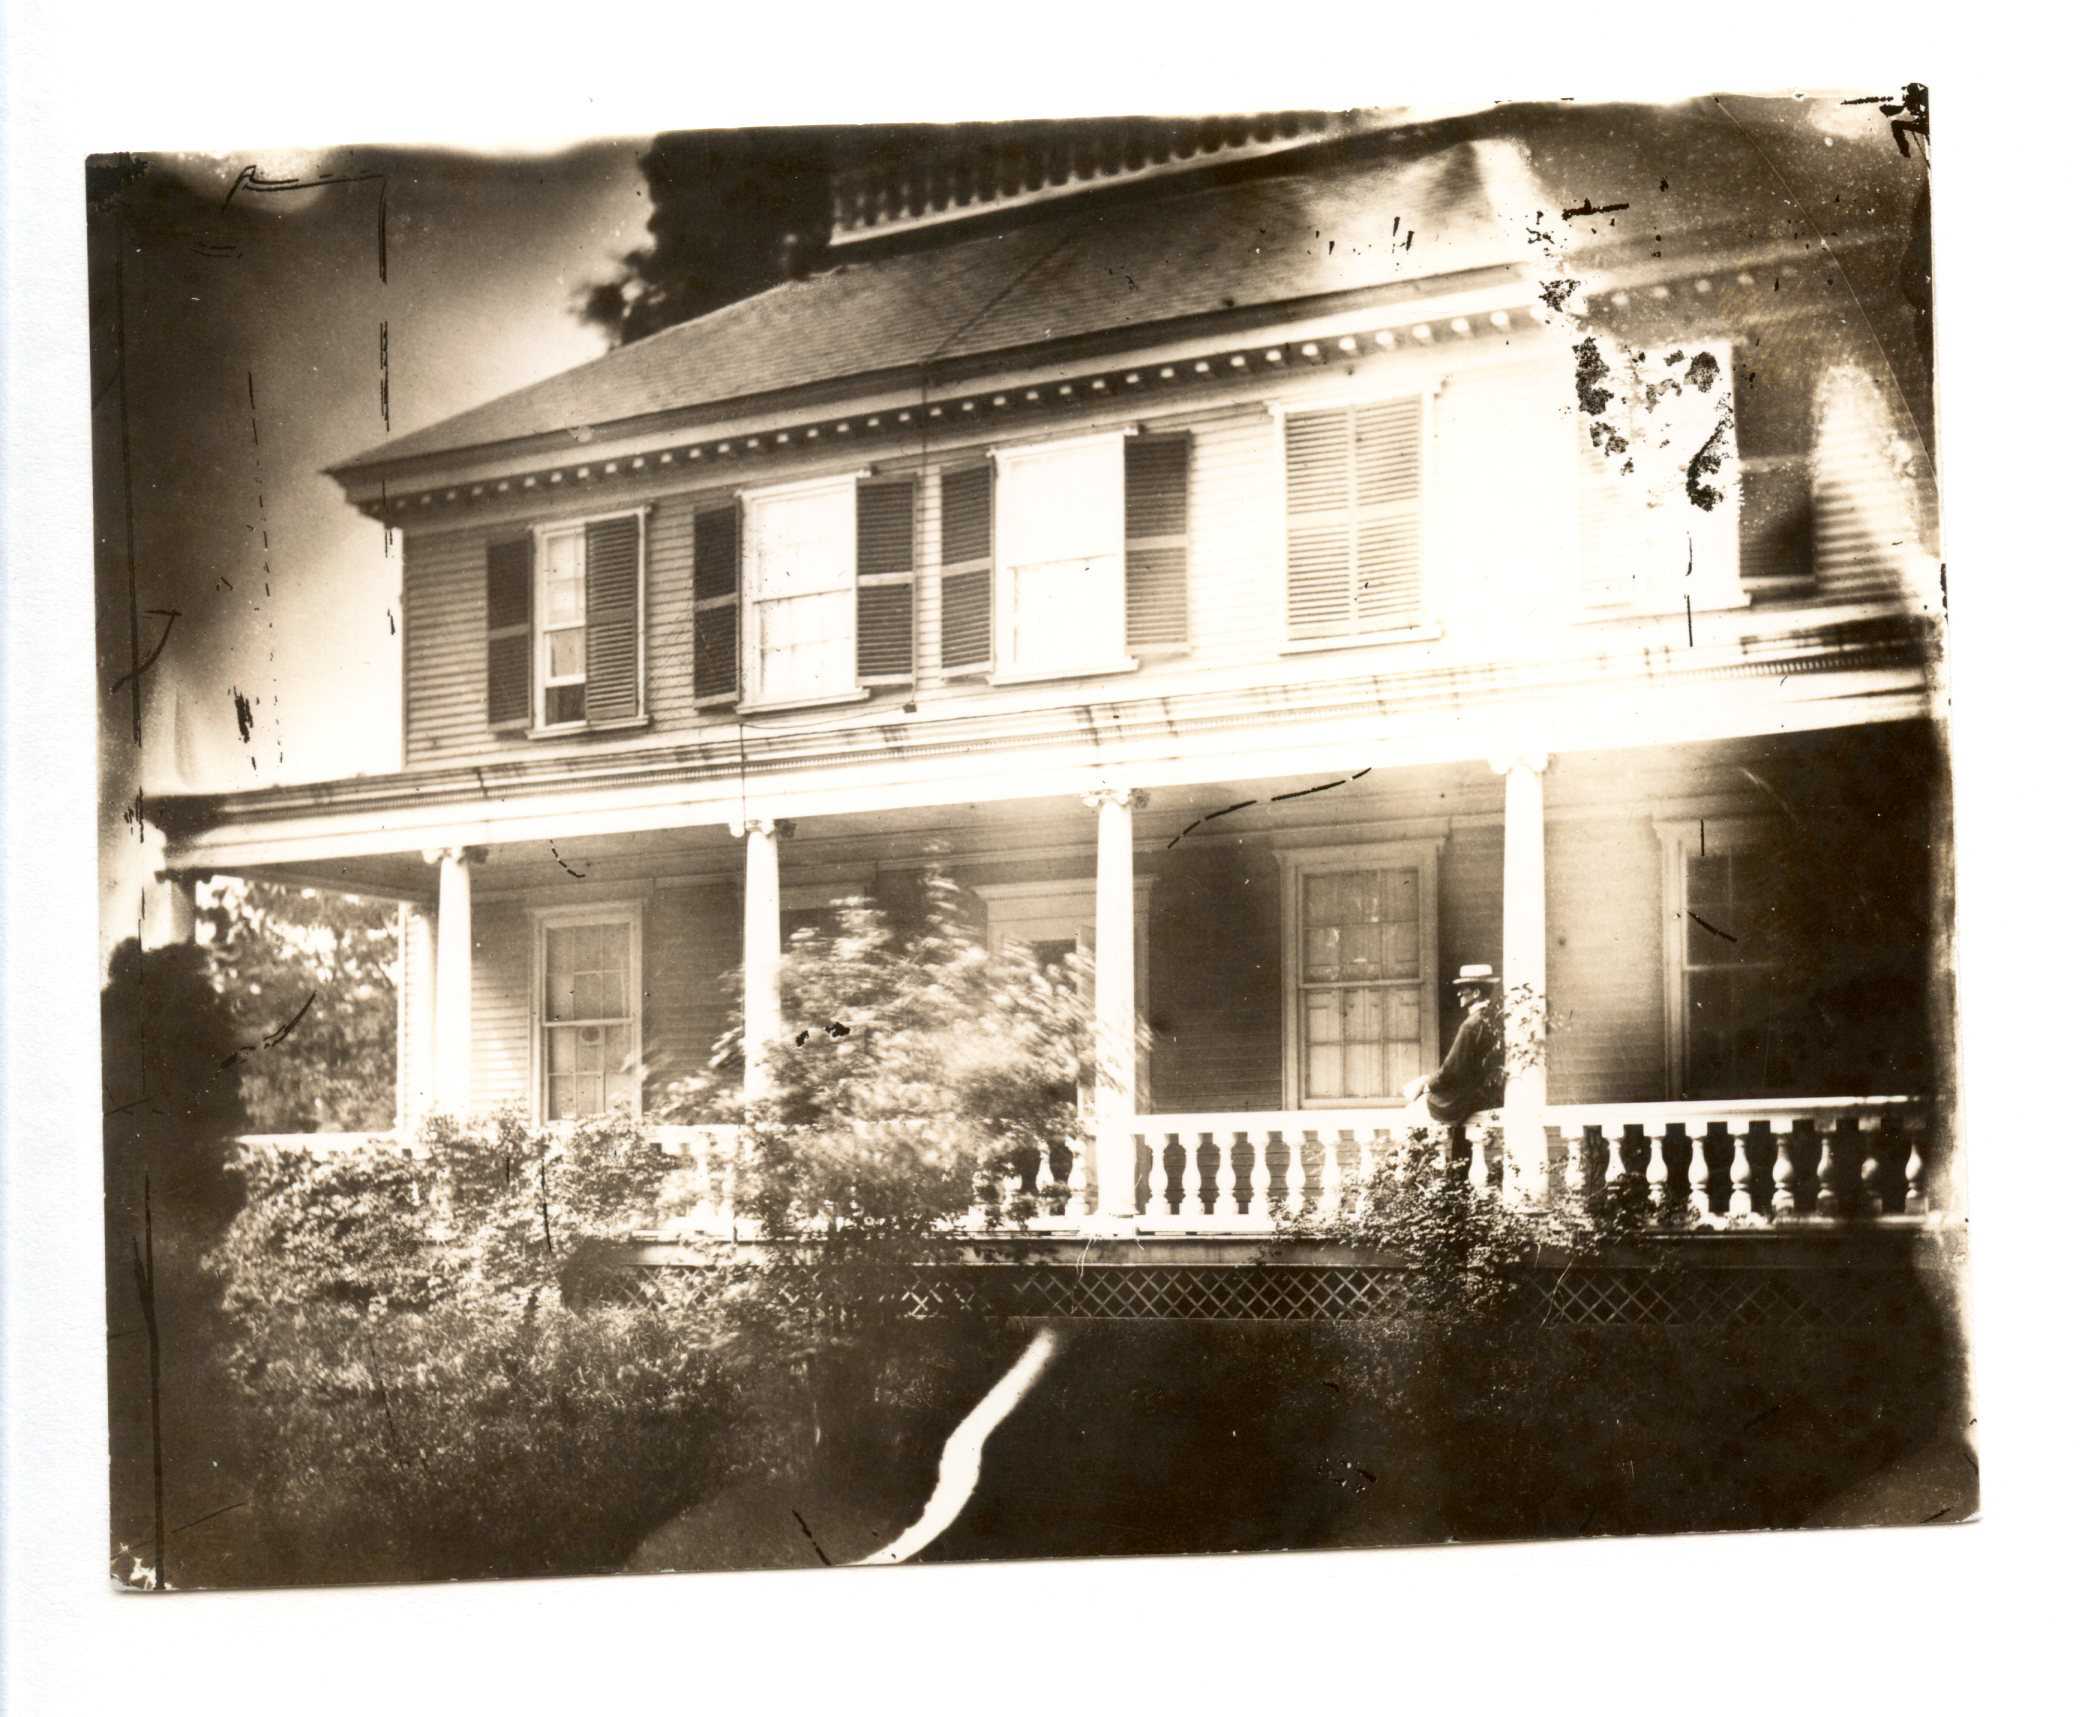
{"x": 892, "y": 843}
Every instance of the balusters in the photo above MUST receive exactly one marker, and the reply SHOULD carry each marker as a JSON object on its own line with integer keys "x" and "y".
{"x": 1657, "y": 1171}
{"x": 733, "y": 1148}
{"x": 1700, "y": 1176}
{"x": 1871, "y": 1200}
{"x": 1916, "y": 1195}
{"x": 1261, "y": 1173}
{"x": 1828, "y": 1199}
{"x": 1225, "y": 1174}
{"x": 706, "y": 1214}
{"x": 1044, "y": 1182}
{"x": 1742, "y": 1176}
{"x": 1368, "y": 1165}
{"x": 1478, "y": 1161}
{"x": 1297, "y": 1175}
{"x": 1574, "y": 1176}
{"x": 1075, "y": 1205}
{"x": 1785, "y": 1200}
{"x": 1333, "y": 1175}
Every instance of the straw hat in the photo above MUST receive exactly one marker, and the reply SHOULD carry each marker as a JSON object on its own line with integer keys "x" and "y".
{"x": 1475, "y": 977}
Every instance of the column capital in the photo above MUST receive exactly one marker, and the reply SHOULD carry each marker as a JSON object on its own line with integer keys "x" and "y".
{"x": 1133, "y": 798}
{"x": 460, "y": 855}
{"x": 743, "y": 826}
{"x": 1536, "y": 761}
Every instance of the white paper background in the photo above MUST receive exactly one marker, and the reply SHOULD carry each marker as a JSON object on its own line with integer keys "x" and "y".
{"x": 1896, "y": 1620}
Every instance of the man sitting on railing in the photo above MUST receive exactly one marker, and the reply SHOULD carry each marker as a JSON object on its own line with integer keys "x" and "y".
{"x": 1471, "y": 1078}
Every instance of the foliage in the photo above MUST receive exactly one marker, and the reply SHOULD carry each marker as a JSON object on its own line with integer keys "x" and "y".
{"x": 171, "y": 1097}
{"x": 732, "y": 213}
{"x": 915, "y": 1060}
{"x": 1470, "y": 1250}
{"x": 429, "y": 1342}
{"x": 310, "y": 976}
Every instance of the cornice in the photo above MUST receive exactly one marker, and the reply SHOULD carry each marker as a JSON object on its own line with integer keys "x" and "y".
{"x": 1829, "y": 646}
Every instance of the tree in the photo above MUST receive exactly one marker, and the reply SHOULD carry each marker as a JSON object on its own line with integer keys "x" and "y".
{"x": 915, "y": 1060}
{"x": 310, "y": 979}
{"x": 732, "y": 213}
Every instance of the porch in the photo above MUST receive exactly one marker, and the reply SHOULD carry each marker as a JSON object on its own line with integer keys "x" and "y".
{"x": 1253, "y": 1031}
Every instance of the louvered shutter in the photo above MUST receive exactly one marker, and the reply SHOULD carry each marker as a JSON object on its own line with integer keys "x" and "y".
{"x": 509, "y": 588}
{"x": 613, "y": 605}
{"x": 1156, "y": 540}
{"x": 1354, "y": 520}
{"x": 1610, "y": 544}
{"x": 965, "y": 568}
{"x": 885, "y": 560}
{"x": 716, "y": 604}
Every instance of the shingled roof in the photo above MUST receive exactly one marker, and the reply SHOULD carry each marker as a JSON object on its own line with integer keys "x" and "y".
{"x": 1421, "y": 203}
{"x": 1088, "y": 271}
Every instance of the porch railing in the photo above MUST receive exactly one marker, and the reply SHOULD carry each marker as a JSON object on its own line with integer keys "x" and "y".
{"x": 1773, "y": 1162}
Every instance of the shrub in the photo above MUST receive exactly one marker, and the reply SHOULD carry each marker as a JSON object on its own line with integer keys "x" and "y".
{"x": 432, "y": 1383}
{"x": 914, "y": 1061}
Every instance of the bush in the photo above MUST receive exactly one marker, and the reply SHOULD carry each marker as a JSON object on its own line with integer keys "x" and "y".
{"x": 433, "y": 1383}
{"x": 914, "y": 1061}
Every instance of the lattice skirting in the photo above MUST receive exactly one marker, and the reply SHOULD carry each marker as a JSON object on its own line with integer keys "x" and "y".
{"x": 1702, "y": 1297}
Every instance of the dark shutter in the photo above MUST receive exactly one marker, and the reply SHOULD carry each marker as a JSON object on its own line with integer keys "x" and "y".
{"x": 509, "y": 589}
{"x": 1354, "y": 562}
{"x": 1156, "y": 540}
{"x": 715, "y": 604}
{"x": 613, "y": 574}
{"x": 965, "y": 568}
{"x": 885, "y": 561}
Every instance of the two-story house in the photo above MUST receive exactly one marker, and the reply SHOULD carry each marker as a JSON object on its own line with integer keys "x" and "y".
{"x": 1293, "y": 561}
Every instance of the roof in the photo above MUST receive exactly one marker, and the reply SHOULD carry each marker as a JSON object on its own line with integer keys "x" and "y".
{"x": 1428, "y": 201}
{"x": 1090, "y": 271}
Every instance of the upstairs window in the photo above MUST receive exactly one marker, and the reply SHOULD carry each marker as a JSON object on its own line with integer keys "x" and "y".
{"x": 803, "y": 592}
{"x": 563, "y": 625}
{"x": 1061, "y": 558}
{"x": 1355, "y": 566}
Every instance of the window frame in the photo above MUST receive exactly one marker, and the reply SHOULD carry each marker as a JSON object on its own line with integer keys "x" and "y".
{"x": 752, "y": 695}
{"x": 539, "y": 533}
{"x": 1297, "y": 864}
{"x": 1424, "y": 389}
{"x": 1680, "y": 839}
{"x": 543, "y": 919}
{"x": 1005, "y": 668}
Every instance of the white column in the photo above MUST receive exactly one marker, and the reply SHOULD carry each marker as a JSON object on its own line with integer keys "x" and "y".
{"x": 452, "y": 955}
{"x": 1113, "y": 1004}
{"x": 168, "y": 918}
{"x": 415, "y": 1015}
{"x": 762, "y": 945}
{"x": 1525, "y": 965}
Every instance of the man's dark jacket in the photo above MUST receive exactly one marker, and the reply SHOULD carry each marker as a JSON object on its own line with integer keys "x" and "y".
{"x": 1472, "y": 1076}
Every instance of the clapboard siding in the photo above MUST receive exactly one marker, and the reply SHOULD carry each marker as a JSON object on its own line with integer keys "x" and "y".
{"x": 1471, "y": 913}
{"x": 1825, "y": 464}
{"x": 501, "y": 973}
{"x": 690, "y": 973}
{"x": 1214, "y": 980}
{"x": 1605, "y": 982}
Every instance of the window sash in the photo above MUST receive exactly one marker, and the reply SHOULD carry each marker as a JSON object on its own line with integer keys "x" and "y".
{"x": 1355, "y": 484}
{"x": 1060, "y": 529}
{"x": 560, "y": 623}
{"x": 800, "y": 615}
{"x": 589, "y": 1014}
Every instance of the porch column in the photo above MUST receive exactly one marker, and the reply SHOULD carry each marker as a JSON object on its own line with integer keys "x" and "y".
{"x": 1525, "y": 968}
{"x": 452, "y": 955}
{"x": 168, "y": 917}
{"x": 762, "y": 945}
{"x": 415, "y": 1014}
{"x": 1113, "y": 1004}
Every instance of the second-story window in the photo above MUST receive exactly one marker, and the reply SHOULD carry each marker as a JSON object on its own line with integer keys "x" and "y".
{"x": 564, "y": 624}
{"x": 799, "y": 603}
{"x": 1355, "y": 565}
{"x": 1061, "y": 527}
{"x": 803, "y": 591}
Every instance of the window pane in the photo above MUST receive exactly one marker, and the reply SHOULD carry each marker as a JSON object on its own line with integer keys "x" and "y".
{"x": 1056, "y": 608}
{"x": 800, "y": 544}
{"x": 567, "y": 655}
{"x": 1061, "y": 503}
{"x": 562, "y": 704}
